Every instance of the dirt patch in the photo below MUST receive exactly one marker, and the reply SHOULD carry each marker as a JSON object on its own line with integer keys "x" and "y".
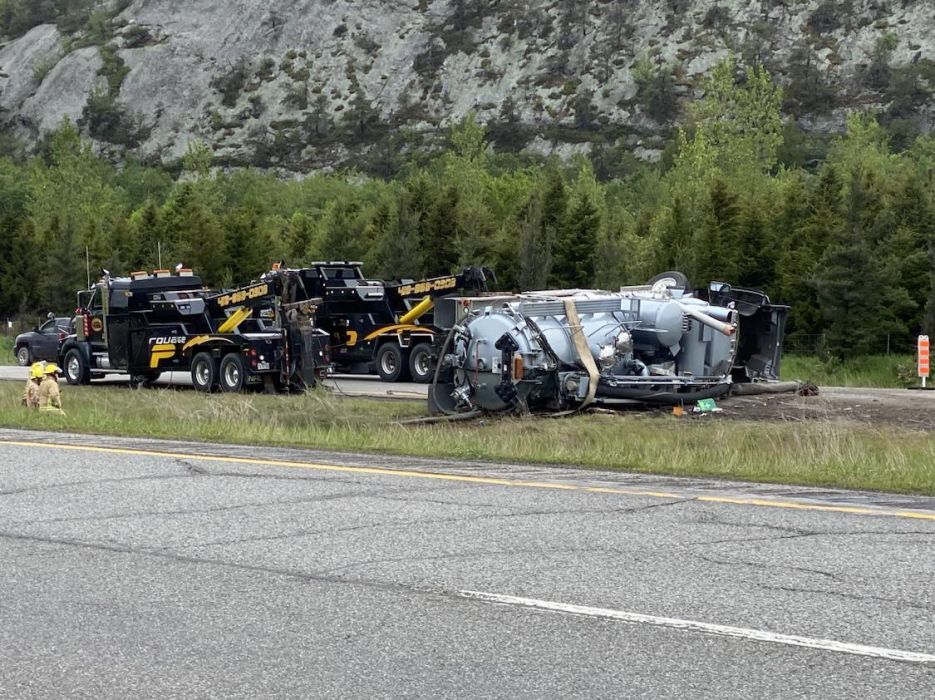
{"x": 891, "y": 407}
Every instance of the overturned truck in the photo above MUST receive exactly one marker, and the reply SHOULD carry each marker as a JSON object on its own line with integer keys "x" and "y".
{"x": 563, "y": 350}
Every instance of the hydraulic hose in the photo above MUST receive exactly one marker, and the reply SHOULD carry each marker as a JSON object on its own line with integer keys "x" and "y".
{"x": 670, "y": 398}
{"x": 438, "y": 367}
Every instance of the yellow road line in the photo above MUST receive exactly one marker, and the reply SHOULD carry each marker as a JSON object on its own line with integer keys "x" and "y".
{"x": 488, "y": 480}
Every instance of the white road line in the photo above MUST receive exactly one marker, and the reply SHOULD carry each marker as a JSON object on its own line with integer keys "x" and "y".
{"x": 705, "y": 627}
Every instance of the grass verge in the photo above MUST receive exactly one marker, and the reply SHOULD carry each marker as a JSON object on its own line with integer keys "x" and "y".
{"x": 817, "y": 453}
{"x": 882, "y": 371}
{"x": 6, "y": 350}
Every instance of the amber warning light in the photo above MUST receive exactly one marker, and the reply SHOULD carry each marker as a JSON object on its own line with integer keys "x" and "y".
{"x": 923, "y": 357}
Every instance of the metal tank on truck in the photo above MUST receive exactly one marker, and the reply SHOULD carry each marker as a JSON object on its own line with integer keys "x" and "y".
{"x": 565, "y": 349}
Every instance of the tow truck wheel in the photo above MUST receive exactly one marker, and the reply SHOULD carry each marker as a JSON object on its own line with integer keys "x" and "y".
{"x": 233, "y": 374}
{"x": 391, "y": 363}
{"x": 23, "y": 356}
{"x": 420, "y": 363}
{"x": 204, "y": 372}
{"x": 76, "y": 368}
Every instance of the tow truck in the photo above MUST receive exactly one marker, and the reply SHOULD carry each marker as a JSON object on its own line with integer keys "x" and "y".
{"x": 386, "y": 326}
{"x": 147, "y": 324}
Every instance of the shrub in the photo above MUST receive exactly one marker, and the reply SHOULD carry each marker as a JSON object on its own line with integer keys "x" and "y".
{"x": 232, "y": 83}
{"x": 135, "y": 36}
{"x": 715, "y": 18}
{"x": 825, "y": 18}
{"x": 265, "y": 70}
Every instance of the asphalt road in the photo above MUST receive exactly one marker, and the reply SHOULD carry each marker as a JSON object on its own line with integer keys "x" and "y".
{"x": 355, "y": 385}
{"x": 155, "y": 569}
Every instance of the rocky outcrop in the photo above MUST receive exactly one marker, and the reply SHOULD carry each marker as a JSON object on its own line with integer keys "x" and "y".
{"x": 304, "y": 84}
{"x": 67, "y": 86}
{"x": 23, "y": 65}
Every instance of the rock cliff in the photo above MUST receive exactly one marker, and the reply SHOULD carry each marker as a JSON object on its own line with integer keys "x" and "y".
{"x": 316, "y": 84}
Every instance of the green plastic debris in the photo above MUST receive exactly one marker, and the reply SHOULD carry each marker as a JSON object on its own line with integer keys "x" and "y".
{"x": 705, "y": 406}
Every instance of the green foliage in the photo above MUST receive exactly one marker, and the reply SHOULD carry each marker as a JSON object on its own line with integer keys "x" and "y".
{"x": 842, "y": 229}
{"x": 826, "y": 18}
{"x": 809, "y": 89}
{"x": 19, "y": 16}
{"x": 232, "y": 82}
{"x": 656, "y": 90}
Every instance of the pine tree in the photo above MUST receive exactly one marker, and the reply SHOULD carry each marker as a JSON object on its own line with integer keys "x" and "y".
{"x": 535, "y": 246}
{"x": 21, "y": 272}
{"x": 717, "y": 247}
{"x": 441, "y": 254}
{"x": 576, "y": 245}
{"x": 64, "y": 270}
{"x": 856, "y": 292}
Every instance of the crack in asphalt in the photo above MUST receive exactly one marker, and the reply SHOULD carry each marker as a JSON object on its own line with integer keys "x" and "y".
{"x": 863, "y": 533}
{"x": 303, "y": 576}
{"x": 305, "y": 532}
{"x": 765, "y": 565}
{"x": 369, "y": 493}
{"x": 899, "y": 602}
{"x": 194, "y": 511}
{"x": 480, "y": 553}
{"x": 89, "y": 482}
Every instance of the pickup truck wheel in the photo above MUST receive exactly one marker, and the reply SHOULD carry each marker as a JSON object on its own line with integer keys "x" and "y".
{"x": 391, "y": 363}
{"x": 23, "y": 356}
{"x": 233, "y": 374}
{"x": 204, "y": 372}
{"x": 420, "y": 363}
{"x": 76, "y": 368}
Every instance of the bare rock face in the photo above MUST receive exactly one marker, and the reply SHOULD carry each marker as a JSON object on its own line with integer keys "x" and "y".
{"x": 316, "y": 84}
{"x": 64, "y": 92}
{"x": 22, "y": 64}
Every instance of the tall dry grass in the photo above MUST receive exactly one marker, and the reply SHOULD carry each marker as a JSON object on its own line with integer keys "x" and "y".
{"x": 821, "y": 452}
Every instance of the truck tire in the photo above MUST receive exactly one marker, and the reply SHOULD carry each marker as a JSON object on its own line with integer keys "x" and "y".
{"x": 233, "y": 374}
{"x": 392, "y": 365}
{"x": 420, "y": 363}
{"x": 23, "y": 356}
{"x": 76, "y": 368}
{"x": 671, "y": 279}
{"x": 204, "y": 372}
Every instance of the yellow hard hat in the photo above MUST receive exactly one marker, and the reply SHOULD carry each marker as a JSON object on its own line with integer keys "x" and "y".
{"x": 36, "y": 370}
{"x": 52, "y": 368}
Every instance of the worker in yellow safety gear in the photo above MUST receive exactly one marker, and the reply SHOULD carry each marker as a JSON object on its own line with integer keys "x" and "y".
{"x": 31, "y": 395}
{"x": 50, "y": 398}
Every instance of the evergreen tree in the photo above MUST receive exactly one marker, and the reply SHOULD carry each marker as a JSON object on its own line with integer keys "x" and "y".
{"x": 856, "y": 292}
{"x": 301, "y": 236}
{"x": 22, "y": 270}
{"x": 717, "y": 247}
{"x": 535, "y": 246}
{"x": 576, "y": 245}
{"x": 811, "y": 228}
{"x": 64, "y": 268}
{"x": 441, "y": 255}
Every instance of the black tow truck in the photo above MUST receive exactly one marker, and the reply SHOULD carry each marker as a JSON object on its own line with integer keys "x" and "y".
{"x": 382, "y": 326}
{"x": 146, "y": 324}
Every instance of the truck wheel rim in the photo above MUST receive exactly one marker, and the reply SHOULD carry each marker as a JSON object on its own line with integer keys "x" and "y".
{"x": 201, "y": 372}
{"x": 232, "y": 375}
{"x": 388, "y": 363}
{"x": 421, "y": 364}
{"x": 74, "y": 369}
{"x": 22, "y": 356}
